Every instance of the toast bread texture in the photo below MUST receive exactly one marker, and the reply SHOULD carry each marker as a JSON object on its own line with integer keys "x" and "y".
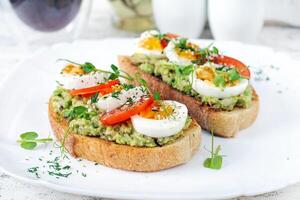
{"x": 222, "y": 123}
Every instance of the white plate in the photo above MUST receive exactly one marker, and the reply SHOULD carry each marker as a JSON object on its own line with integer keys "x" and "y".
{"x": 262, "y": 158}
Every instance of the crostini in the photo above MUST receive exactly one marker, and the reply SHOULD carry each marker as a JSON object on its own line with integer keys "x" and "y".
{"x": 96, "y": 117}
{"x": 215, "y": 88}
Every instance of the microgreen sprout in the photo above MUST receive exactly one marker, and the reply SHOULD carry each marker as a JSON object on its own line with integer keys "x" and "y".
{"x": 88, "y": 67}
{"x": 29, "y": 140}
{"x": 215, "y": 161}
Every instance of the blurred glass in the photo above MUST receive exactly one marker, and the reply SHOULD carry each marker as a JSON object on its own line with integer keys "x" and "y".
{"x": 133, "y": 15}
{"x": 45, "y": 21}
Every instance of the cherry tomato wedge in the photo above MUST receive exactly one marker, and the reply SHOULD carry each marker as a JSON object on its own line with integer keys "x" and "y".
{"x": 164, "y": 42}
{"x": 104, "y": 88}
{"x": 125, "y": 112}
{"x": 104, "y": 91}
{"x": 242, "y": 69}
{"x": 172, "y": 35}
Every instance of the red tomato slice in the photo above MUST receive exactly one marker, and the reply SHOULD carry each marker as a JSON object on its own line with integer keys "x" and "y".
{"x": 125, "y": 112}
{"x": 104, "y": 88}
{"x": 164, "y": 42}
{"x": 229, "y": 61}
{"x": 172, "y": 35}
{"x": 104, "y": 91}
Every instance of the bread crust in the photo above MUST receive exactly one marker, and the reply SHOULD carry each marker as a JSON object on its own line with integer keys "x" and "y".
{"x": 223, "y": 123}
{"x": 142, "y": 159}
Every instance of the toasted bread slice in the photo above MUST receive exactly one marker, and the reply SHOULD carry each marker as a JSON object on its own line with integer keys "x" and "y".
{"x": 143, "y": 159}
{"x": 222, "y": 123}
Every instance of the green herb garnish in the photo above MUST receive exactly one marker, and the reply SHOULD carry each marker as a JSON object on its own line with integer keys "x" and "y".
{"x": 58, "y": 83}
{"x": 219, "y": 81}
{"x": 160, "y": 36}
{"x": 142, "y": 82}
{"x": 77, "y": 112}
{"x": 88, "y": 67}
{"x": 215, "y": 50}
{"x": 187, "y": 70}
{"x": 34, "y": 170}
{"x": 116, "y": 94}
{"x": 215, "y": 161}
{"x": 29, "y": 140}
{"x": 94, "y": 97}
{"x": 156, "y": 96}
{"x": 116, "y": 72}
{"x": 233, "y": 75}
{"x": 57, "y": 169}
{"x": 206, "y": 54}
{"x": 127, "y": 87}
{"x": 182, "y": 44}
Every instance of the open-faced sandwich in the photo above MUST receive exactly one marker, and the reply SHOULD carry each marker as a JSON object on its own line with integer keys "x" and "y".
{"x": 119, "y": 125}
{"x": 214, "y": 87}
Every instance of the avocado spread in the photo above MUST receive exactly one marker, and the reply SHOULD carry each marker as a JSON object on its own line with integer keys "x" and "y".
{"x": 83, "y": 118}
{"x": 178, "y": 77}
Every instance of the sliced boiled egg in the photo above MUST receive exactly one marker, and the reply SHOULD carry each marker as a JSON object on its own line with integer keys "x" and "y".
{"x": 74, "y": 77}
{"x": 203, "y": 83}
{"x": 182, "y": 52}
{"x": 149, "y": 44}
{"x": 116, "y": 99}
{"x": 161, "y": 120}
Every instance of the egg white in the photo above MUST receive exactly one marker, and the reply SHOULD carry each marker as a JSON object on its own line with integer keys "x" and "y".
{"x": 165, "y": 127}
{"x": 148, "y": 52}
{"x": 109, "y": 103}
{"x": 209, "y": 90}
{"x": 173, "y": 57}
{"x": 71, "y": 81}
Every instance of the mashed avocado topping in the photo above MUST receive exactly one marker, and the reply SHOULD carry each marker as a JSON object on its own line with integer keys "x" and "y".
{"x": 83, "y": 118}
{"x": 178, "y": 78}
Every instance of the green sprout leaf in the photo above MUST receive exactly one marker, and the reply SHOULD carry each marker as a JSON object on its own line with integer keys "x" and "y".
{"x": 215, "y": 50}
{"x": 216, "y": 160}
{"x": 29, "y": 140}
{"x": 29, "y": 136}
{"x": 78, "y": 112}
{"x": 28, "y": 145}
{"x": 88, "y": 67}
{"x": 116, "y": 72}
{"x": 186, "y": 70}
{"x": 94, "y": 98}
{"x": 182, "y": 43}
{"x": 233, "y": 75}
{"x": 219, "y": 81}
{"x": 116, "y": 94}
{"x": 143, "y": 82}
{"x": 156, "y": 96}
{"x": 127, "y": 86}
{"x": 115, "y": 69}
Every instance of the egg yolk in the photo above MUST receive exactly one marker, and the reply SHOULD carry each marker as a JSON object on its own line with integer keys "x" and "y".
{"x": 73, "y": 69}
{"x": 206, "y": 74}
{"x": 189, "y": 54}
{"x": 157, "y": 111}
{"x": 151, "y": 43}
